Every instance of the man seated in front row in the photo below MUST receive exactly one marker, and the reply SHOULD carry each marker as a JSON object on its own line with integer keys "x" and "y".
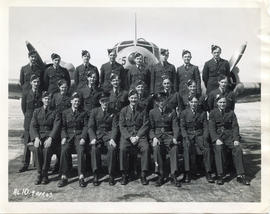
{"x": 134, "y": 125}
{"x": 103, "y": 130}
{"x": 73, "y": 134}
{"x": 44, "y": 127}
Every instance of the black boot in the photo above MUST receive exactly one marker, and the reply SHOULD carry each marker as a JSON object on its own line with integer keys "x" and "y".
{"x": 220, "y": 180}
{"x": 124, "y": 180}
{"x": 187, "y": 177}
{"x": 38, "y": 179}
{"x": 159, "y": 181}
{"x": 243, "y": 180}
{"x": 95, "y": 182}
{"x": 209, "y": 177}
{"x": 175, "y": 181}
{"x": 111, "y": 180}
{"x": 143, "y": 179}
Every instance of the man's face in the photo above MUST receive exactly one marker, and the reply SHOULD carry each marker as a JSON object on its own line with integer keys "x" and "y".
{"x": 221, "y": 103}
{"x": 138, "y": 60}
{"x": 161, "y": 103}
{"x": 92, "y": 79}
{"x": 192, "y": 88}
{"x": 46, "y": 101}
{"x": 166, "y": 84}
{"x": 56, "y": 62}
{"x": 140, "y": 89}
{"x": 223, "y": 83}
{"x": 75, "y": 103}
{"x": 193, "y": 103}
{"x": 35, "y": 83}
{"x": 187, "y": 58}
{"x": 133, "y": 99}
{"x": 33, "y": 58}
{"x": 104, "y": 103}
{"x": 86, "y": 58}
{"x": 216, "y": 53}
{"x": 63, "y": 88}
{"x": 112, "y": 56}
{"x": 115, "y": 82}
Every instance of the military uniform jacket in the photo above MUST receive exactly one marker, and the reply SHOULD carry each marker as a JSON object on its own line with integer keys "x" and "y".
{"x": 193, "y": 124}
{"x": 60, "y": 102}
{"x": 184, "y": 74}
{"x": 103, "y": 124}
{"x": 118, "y": 101}
{"x": 25, "y": 74}
{"x": 80, "y": 75}
{"x": 136, "y": 73}
{"x": 183, "y": 102}
{"x": 146, "y": 102}
{"x": 157, "y": 72}
{"x": 105, "y": 73}
{"x": 133, "y": 124}
{"x": 163, "y": 123}
{"x": 52, "y": 76}
{"x": 223, "y": 126}
{"x": 30, "y": 101}
{"x": 230, "y": 99}
{"x": 171, "y": 99}
{"x": 45, "y": 124}
{"x": 90, "y": 97}
{"x": 212, "y": 70}
{"x": 74, "y": 124}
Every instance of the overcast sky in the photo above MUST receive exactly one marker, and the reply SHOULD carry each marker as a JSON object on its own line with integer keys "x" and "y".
{"x": 67, "y": 31}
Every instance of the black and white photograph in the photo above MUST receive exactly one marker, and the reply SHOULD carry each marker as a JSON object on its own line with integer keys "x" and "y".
{"x": 135, "y": 104}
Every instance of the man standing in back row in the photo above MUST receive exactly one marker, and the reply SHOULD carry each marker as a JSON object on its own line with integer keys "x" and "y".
{"x": 163, "y": 68}
{"x": 111, "y": 67}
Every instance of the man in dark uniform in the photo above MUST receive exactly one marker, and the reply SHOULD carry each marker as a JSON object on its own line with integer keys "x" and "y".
{"x": 213, "y": 68}
{"x": 30, "y": 101}
{"x": 186, "y": 72}
{"x": 54, "y": 73}
{"x": 73, "y": 134}
{"x": 144, "y": 99}
{"x": 171, "y": 97}
{"x": 44, "y": 127}
{"x": 111, "y": 67}
{"x": 103, "y": 130}
{"x": 194, "y": 129}
{"x": 222, "y": 90}
{"x": 118, "y": 96}
{"x": 90, "y": 92}
{"x": 164, "y": 133}
{"x": 138, "y": 71}
{"x": 134, "y": 125}
{"x": 160, "y": 69}
{"x": 28, "y": 70}
{"x": 80, "y": 74}
{"x": 60, "y": 102}
{"x": 224, "y": 132}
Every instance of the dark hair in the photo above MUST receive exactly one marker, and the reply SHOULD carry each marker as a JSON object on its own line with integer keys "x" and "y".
{"x": 214, "y": 47}
{"x": 85, "y": 52}
{"x": 185, "y": 52}
{"x": 90, "y": 72}
{"x": 192, "y": 96}
{"x": 61, "y": 82}
{"x": 132, "y": 92}
{"x": 220, "y": 96}
{"x": 222, "y": 77}
{"x": 190, "y": 81}
{"x": 113, "y": 76}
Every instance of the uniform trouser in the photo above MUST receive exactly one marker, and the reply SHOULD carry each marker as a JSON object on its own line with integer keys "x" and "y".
{"x": 166, "y": 144}
{"x": 56, "y": 149}
{"x": 220, "y": 158}
{"x": 26, "y": 150}
{"x": 95, "y": 153}
{"x": 128, "y": 150}
{"x": 43, "y": 157}
{"x": 66, "y": 150}
{"x": 194, "y": 147}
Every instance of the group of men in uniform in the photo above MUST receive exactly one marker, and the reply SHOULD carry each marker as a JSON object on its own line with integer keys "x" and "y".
{"x": 144, "y": 109}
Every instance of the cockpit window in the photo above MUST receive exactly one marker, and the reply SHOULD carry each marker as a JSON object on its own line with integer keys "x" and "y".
{"x": 126, "y": 42}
